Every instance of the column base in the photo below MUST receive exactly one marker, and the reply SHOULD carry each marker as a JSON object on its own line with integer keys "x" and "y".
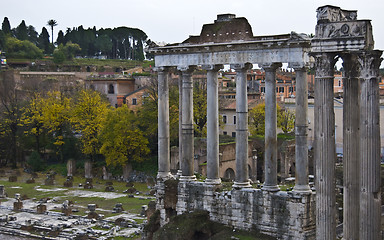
{"x": 214, "y": 181}
{"x": 188, "y": 178}
{"x": 271, "y": 188}
{"x": 242, "y": 184}
{"x": 179, "y": 173}
{"x": 302, "y": 189}
{"x": 163, "y": 176}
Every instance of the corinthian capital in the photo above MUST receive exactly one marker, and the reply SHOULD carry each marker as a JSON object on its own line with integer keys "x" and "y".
{"x": 370, "y": 63}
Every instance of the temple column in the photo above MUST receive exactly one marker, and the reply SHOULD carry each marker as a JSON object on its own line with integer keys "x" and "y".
{"x": 351, "y": 164}
{"x": 270, "y": 159}
{"x": 241, "y": 176}
{"x": 179, "y": 172}
{"x": 163, "y": 124}
{"x": 325, "y": 152}
{"x": 370, "y": 168}
{"x": 301, "y": 128}
{"x": 212, "y": 124}
{"x": 187, "y": 125}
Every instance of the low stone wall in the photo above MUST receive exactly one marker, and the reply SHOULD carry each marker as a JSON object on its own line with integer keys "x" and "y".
{"x": 284, "y": 215}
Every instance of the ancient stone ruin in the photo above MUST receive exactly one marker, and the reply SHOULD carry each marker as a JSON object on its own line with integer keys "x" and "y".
{"x": 301, "y": 213}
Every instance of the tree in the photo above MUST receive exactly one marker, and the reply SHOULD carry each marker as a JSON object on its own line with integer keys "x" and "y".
{"x": 123, "y": 142}
{"x": 22, "y": 49}
{"x": 21, "y": 32}
{"x": 65, "y": 52}
{"x": 33, "y": 119}
{"x": 43, "y": 41}
{"x": 88, "y": 111}
{"x": 10, "y": 115}
{"x": 286, "y": 120}
{"x": 6, "y": 27}
{"x": 200, "y": 108}
{"x": 56, "y": 119}
{"x": 52, "y": 23}
{"x": 60, "y": 38}
{"x": 257, "y": 119}
{"x": 32, "y": 35}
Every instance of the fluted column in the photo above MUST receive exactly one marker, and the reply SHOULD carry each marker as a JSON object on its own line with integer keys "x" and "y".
{"x": 187, "y": 125}
{"x": 163, "y": 124}
{"x": 325, "y": 152}
{"x": 212, "y": 124}
{"x": 241, "y": 176}
{"x": 180, "y": 84}
{"x": 270, "y": 159}
{"x": 370, "y": 175}
{"x": 301, "y": 128}
{"x": 351, "y": 163}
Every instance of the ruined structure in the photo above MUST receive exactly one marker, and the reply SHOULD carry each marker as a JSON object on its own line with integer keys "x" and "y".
{"x": 287, "y": 215}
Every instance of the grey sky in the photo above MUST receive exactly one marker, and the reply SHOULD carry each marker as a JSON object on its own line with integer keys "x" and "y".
{"x": 173, "y": 21}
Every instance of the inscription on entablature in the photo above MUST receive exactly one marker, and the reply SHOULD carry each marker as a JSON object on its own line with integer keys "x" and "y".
{"x": 342, "y": 29}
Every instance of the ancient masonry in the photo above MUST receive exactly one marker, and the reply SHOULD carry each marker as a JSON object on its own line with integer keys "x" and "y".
{"x": 286, "y": 215}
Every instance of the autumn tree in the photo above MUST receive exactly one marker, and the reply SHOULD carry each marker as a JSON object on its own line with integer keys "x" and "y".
{"x": 285, "y": 119}
{"x": 33, "y": 119}
{"x": 56, "y": 119}
{"x": 88, "y": 112}
{"x": 122, "y": 140}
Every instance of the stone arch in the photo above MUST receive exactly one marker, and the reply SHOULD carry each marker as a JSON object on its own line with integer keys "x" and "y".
{"x": 229, "y": 174}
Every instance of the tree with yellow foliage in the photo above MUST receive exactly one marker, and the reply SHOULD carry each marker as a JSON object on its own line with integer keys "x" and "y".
{"x": 88, "y": 112}
{"x": 122, "y": 141}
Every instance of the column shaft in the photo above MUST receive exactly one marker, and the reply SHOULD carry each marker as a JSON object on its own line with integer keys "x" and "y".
{"x": 325, "y": 151}
{"x": 212, "y": 125}
{"x": 351, "y": 151}
{"x": 163, "y": 124}
{"x": 301, "y": 128}
{"x": 187, "y": 126}
{"x": 370, "y": 174}
{"x": 179, "y": 172}
{"x": 241, "y": 176}
{"x": 270, "y": 160}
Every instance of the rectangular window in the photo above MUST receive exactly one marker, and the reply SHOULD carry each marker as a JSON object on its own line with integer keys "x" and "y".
{"x": 234, "y": 119}
{"x": 233, "y": 134}
{"x": 225, "y": 133}
{"x": 225, "y": 119}
{"x": 134, "y": 101}
{"x": 262, "y": 89}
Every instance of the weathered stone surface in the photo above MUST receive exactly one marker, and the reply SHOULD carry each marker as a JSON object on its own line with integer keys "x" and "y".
{"x": 12, "y": 178}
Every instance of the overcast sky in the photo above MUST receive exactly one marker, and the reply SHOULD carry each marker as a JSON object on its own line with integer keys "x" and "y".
{"x": 172, "y": 21}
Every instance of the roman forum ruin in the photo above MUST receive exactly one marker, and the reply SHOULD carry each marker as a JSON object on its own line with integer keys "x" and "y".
{"x": 301, "y": 213}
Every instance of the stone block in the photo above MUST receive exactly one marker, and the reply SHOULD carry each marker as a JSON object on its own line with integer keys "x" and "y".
{"x": 109, "y": 189}
{"x": 12, "y": 178}
{"x": 68, "y": 183}
{"x": 49, "y": 181}
{"x": 17, "y": 206}
{"x": 41, "y": 208}
{"x": 31, "y": 180}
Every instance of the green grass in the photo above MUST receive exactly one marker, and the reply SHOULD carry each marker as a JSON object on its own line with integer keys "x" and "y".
{"x": 131, "y": 205}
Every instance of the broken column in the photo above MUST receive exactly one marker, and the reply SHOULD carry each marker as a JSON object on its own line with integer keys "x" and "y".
{"x": 241, "y": 176}
{"x": 18, "y": 205}
{"x": 71, "y": 167}
{"x": 2, "y": 191}
{"x": 270, "y": 159}
{"x": 212, "y": 124}
{"x": 370, "y": 168}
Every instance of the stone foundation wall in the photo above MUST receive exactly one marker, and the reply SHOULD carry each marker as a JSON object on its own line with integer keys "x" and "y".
{"x": 284, "y": 215}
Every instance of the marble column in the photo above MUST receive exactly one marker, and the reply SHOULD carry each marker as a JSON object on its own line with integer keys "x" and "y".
{"x": 370, "y": 168}
{"x": 212, "y": 124}
{"x": 301, "y": 128}
{"x": 351, "y": 163}
{"x": 325, "y": 152}
{"x": 241, "y": 176}
{"x": 163, "y": 124}
{"x": 270, "y": 159}
{"x": 187, "y": 125}
{"x": 179, "y": 172}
